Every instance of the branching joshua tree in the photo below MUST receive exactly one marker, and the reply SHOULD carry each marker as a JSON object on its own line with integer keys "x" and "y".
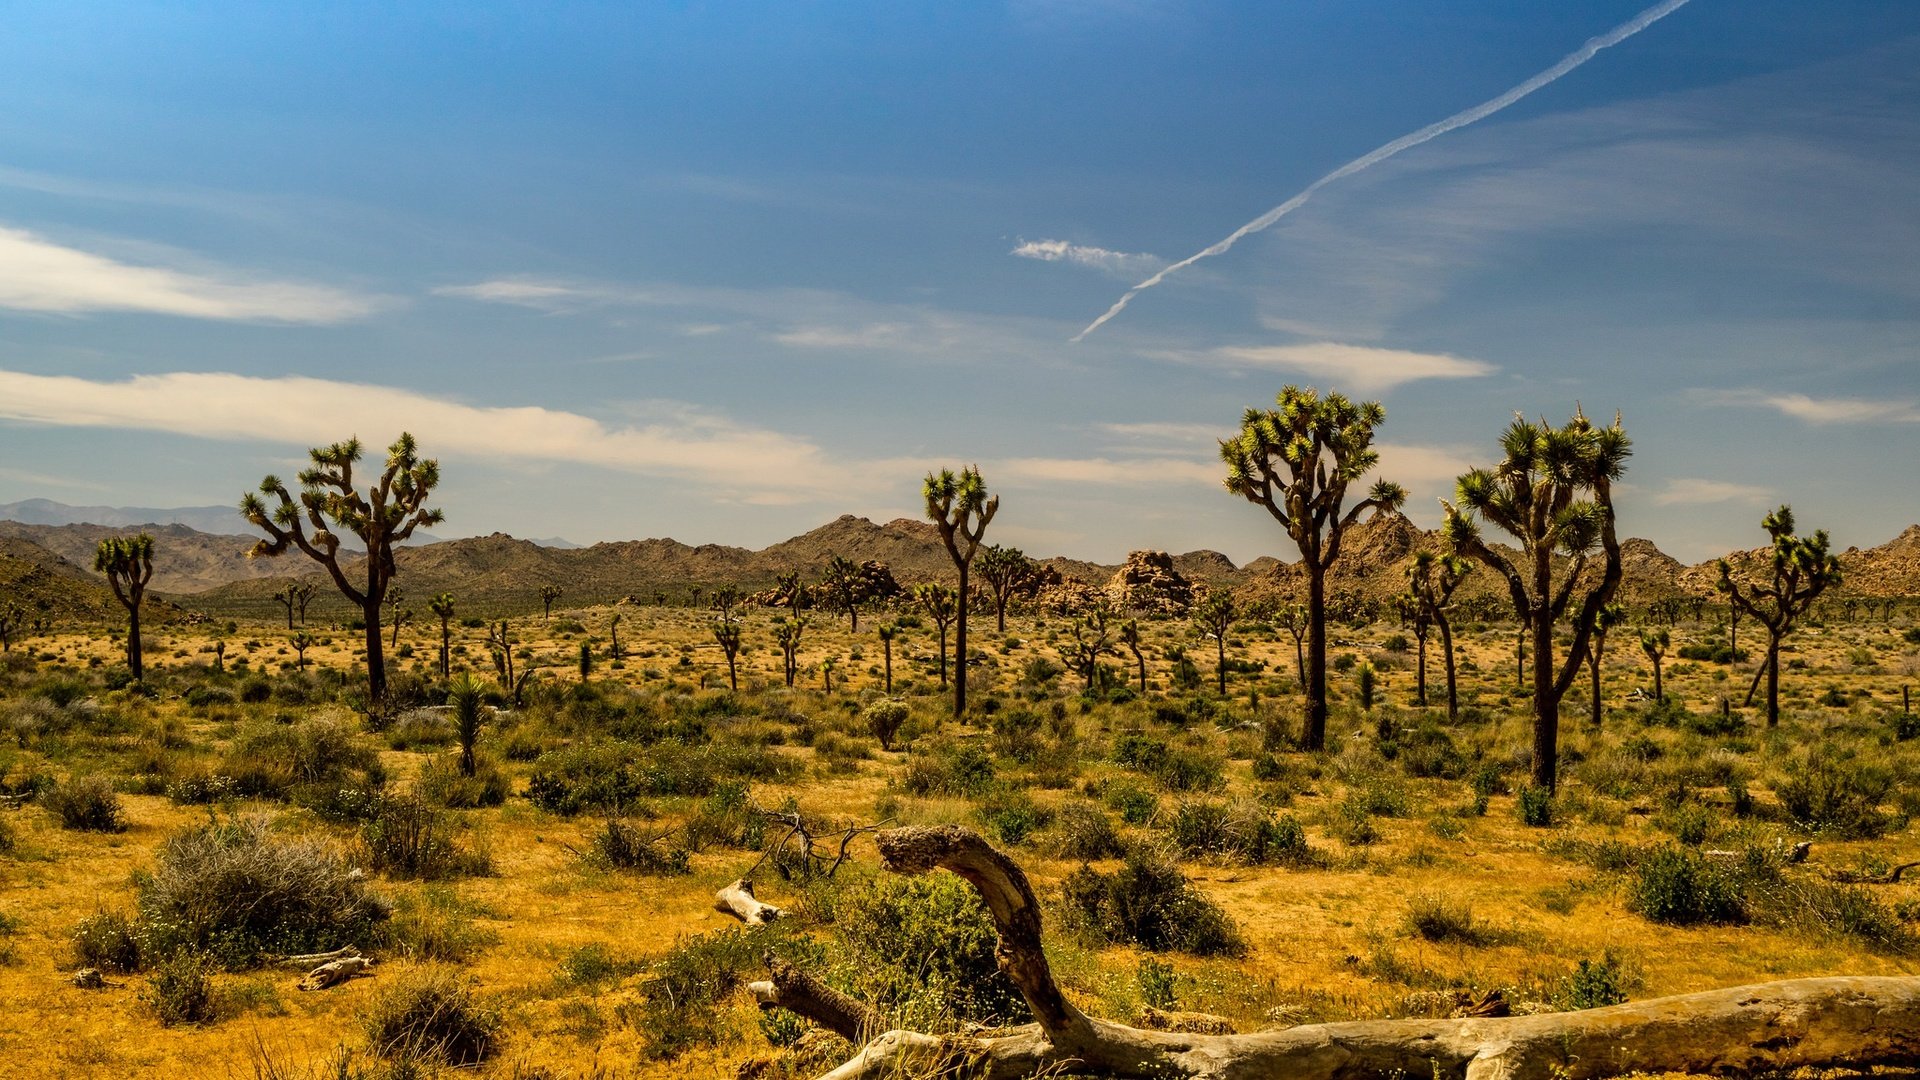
{"x": 937, "y": 601}
{"x": 128, "y": 563}
{"x": 1130, "y": 637}
{"x": 442, "y": 606}
{"x": 1213, "y": 618}
{"x": 1092, "y": 639}
{"x": 725, "y": 598}
{"x": 301, "y": 642}
{"x": 385, "y": 516}
{"x": 887, "y": 632}
{"x": 1297, "y": 461}
{"x": 500, "y": 644}
{"x": 960, "y": 508}
{"x": 787, "y": 634}
{"x": 1293, "y": 619}
{"x": 1415, "y": 618}
{"x": 288, "y": 598}
{"x": 1654, "y": 643}
{"x": 1802, "y": 568}
{"x": 826, "y": 674}
{"x": 1611, "y": 615}
{"x": 548, "y": 594}
{"x": 10, "y": 621}
{"x": 844, "y": 585}
{"x": 1553, "y": 493}
{"x": 727, "y": 636}
{"x": 1007, "y": 572}
{"x": 1431, "y": 582}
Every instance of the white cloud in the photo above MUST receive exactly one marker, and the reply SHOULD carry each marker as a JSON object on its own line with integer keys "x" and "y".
{"x": 1105, "y": 471}
{"x": 669, "y": 439}
{"x": 1690, "y": 491}
{"x": 1814, "y": 410}
{"x": 1165, "y": 433}
{"x": 1120, "y": 264}
{"x": 1358, "y": 369}
{"x": 39, "y": 275}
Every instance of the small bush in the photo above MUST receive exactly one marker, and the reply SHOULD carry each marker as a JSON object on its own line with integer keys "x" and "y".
{"x": 681, "y": 996}
{"x": 1682, "y": 888}
{"x": 1535, "y": 807}
{"x": 965, "y": 770}
{"x": 87, "y": 804}
{"x": 1246, "y": 833}
{"x": 921, "y": 949}
{"x": 1593, "y": 985}
{"x": 1150, "y": 904}
{"x": 1011, "y": 816}
{"x": 436, "y": 925}
{"x": 593, "y": 965}
{"x": 620, "y": 846}
{"x": 432, "y": 1016}
{"x": 1436, "y": 920}
{"x": 443, "y": 784}
{"x": 1082, "y": 831}
{"x": 407, "y": 837}
{"x": 884, "y": 719}
{"x": 1156, "y": 980}
{"x": 1135, "y": 805}
{"x": 1836, "y": 798}
{"x": 106, "y": 940}
{"x": 180, "y": 990}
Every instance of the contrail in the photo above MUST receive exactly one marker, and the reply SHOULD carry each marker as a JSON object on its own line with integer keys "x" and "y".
{"x": 1432, "y": 131}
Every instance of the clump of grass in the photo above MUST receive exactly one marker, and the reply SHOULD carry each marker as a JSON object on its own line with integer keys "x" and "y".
{"x": 1593, "y": 984}
{"x": 1011, "y": 816}
{"x": 86, "y": 804}
{"x": 106, "y": 940}
{"x": 1081, "y": 830}
{"x": 1679, "y": 887}
{"x": 620, "y": 846}
{"x": 680, "y": 998}
{"x": 432, "y": 1015}
{"x": 1151, "y": 904}
{"x": 1438, "y": 920}
{"x": 180, "y": 990}
{"x": 1245, "y": 833}
{"x": 407, "y": 837}
{"x": 593, "y": 965}
{"x": 1534, "y": 805}
{"x": 436, "y": 924}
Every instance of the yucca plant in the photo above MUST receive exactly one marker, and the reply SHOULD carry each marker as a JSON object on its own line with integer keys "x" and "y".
{"x": 464, "y": 699}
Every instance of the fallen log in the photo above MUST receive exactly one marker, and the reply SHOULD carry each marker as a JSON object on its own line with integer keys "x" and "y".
{"x": 1856, "y": 877}
{"x": 738, "y": 901}
{"x": 310, "y": 960}
{"x": 336, "y": 972}
{"x": 787, "y": 987}
{"x": 1846, "y": 1021}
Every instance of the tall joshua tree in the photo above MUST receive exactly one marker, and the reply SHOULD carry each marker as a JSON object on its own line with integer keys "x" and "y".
{"x": 727, "y": 636}
{"x": 1214, "y": 617}
{"x": 1130, "y": 637}
{"x": 1654, "y": 643}
{"x": 1297, "y": 461}
{"x": 1802, "y": 568}
{"x": 787, "y": 634}
{"x": 1431, "y": 582}
{"x": 1553, "y": 493}
{"x": 386, "y": 515}
{"x": 844, "y": 585}
{"x": 442, "y": 606}
{"x": 1611, "y": 615}
{"x": 960, "y": 508}
{"x": 887, "y": 632}
{"x": 1006, "y": 570}
{"x": 937, "y": 601}
{"x": 548, "y": 594}
{"x": 128, "y": 563}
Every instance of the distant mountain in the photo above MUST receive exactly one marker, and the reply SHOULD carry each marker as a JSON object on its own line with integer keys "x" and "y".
{"x": 51, "y": 590}
{"x": 185, "y": 560}
{"x": 213, "y": 520}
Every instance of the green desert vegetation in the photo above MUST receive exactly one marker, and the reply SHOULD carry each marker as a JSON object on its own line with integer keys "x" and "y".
{"x": 526, "y": 851}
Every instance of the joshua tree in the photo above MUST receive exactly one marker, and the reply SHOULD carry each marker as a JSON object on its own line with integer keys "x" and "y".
{"x": 613, "y": 629}
{"x": 301, "y": 642}
{"x": 788, "y": 587}
{"x": 10, "y": 617}
{"x": 1611, "y": 615}
{"x": 1802, "y": 569}
{"x": 887, "y": 632}
{"x": 1552, "y": 492}
{"x": 442, "y": 606}
{"x": 463, "y": 696}
{"x": 1091, "y": 640}
{"x": 826, "y": 675}
{"x": 1130, "y": 637}
{"x": 1654, "y": 643}
{"x": 220, "y": 654}
{"x": 500, "y": 644}
{"x": 548, "y": 594}
{"x": 1293, "y": 619}
{"x": 1007, "y": 571}
{"x": 289, "y": 599}
{"x": 1297, "y": 461}
{"x": 1213, "y": 617}
{"x": 960, "y": 507}
{"x": 844, "y": 585}
{"x": 1416, "y": 618}
{"x": 1431, "y": 580}
{"x": 937, "y": 601}
{"x": 787, "y": 633}
{"x": 399, "y": 618}
{"x": 128, "y": 563}
{"x": 727, "y": 636}
{"x": 387, "y": 515}
{"x": 586, "y": 660}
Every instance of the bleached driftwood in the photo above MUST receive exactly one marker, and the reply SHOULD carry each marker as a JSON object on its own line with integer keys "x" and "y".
{"x": 738, "y": 901}
{"x": 1845, "y": 1021}
{"x": 335, "y": 972}
{"x": 787, "y": 987}
{"x": 310, "y": 960}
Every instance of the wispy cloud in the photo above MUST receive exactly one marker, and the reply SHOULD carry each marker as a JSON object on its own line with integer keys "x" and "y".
{"x": 1813, "y": 410}
{"x": 1105, "y": 471}
{"x": 37, "y": 274}
{"x": 1690, "y": 491}
{"x": 1120, "y": 264}
{"x": 669, "y": 439}
{"x": 1358, "y": 368}
{"x": 1165, "y": 432}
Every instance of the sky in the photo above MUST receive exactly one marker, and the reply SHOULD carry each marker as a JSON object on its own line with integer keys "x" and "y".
{"x": 725, "y": 271}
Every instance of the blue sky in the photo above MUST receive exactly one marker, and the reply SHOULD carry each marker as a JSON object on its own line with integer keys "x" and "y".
{"x": 725, "y": 271}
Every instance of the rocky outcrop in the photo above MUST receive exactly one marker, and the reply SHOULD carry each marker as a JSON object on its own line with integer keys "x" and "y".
{"x": 1148, "y": 583}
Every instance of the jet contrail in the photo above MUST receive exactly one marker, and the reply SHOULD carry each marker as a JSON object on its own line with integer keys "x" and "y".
{"x": 1432, "y": 131}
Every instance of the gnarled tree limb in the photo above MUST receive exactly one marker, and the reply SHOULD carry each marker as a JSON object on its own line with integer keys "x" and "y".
{"x": 1846, "y": 1021}
{"x": 738, "y": 901}
{"x": 787, "y": 987}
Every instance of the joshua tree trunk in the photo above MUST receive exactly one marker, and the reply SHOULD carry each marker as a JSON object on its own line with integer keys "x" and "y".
{"x": 446, "y": 648}
{"x": 1659, "y": 691}
{"x": 943, "y": 654}
{"x": 960, "y": 646}
{"x": 1520, "y": 655}
{"x": 1314, "y": 733}
{"x": 1420, "y": 669}
{"x": 886, "y": 650}
{"x": 1593, "y": 666}
{"x": 1446, "y": 647}
{"x": 1773, "y": 682}
{"x": 1000, "y": 612}
{"x": 1220, "y": 661}
{"x": 376, "y": 656}
{"x": 133, "y": 642}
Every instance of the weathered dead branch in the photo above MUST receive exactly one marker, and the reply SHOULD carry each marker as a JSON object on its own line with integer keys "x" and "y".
{"x": 787, "y": 987}
{"x": 335, "y": 972}
{"x": 1844, "y": 1021}
{"x": 738, "y": 901}
{"x": 1856, "y": 877}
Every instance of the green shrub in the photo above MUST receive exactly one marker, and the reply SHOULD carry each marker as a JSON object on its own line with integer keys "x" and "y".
{"x": 1681, "y": 888}
{"x": 593, "y": 965}
{"x": 1835, "y": 797}
{"x": 106, "y": 940}
{"x": 431, "y": 1015}
{"x": 443, "y": 784}
{"x": 921, "y": 949}
{"x": 407, "y": 837}
{"x": 86, "y": 803}
{"x": 1593, "y": 985}
{"x": 620, "y": 846}
{"x": 681, "y": 996}
{"x": 884, "y": 719}
{"x": 1135, "y": 804}
{"x": 304, "y": 762}
{"x": 1246, "y": 833}
{"x": 1535, "y": 807}
{"x": 1176, "y": 768}
{"x": 180, "y": 990}
{"x": 1150, "y": 904}
{"x": 1011, "y": 816}
{"x": 1156, "y": 980}
{"x": 1083, "y": 831}
{"x": 965, "y": 770}
{"x": 436, "y": 925}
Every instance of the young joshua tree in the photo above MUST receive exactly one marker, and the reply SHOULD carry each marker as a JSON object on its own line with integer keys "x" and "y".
{"x": 1293, "y": 619}
{"x": 787, "y": 634}
{"x": 548, "y": 594}
{"x": 1431, "y": 581}
{"x": 937, "y": 601}
{"x": 1091, "y": 641}
{"x": 613, "y": 629}
{"x": 1654, "y": 643}
{"x": 1130, "y": 637}
{"x": 887, "y": 632}
{"x": 128, "y": 563}
{"x": 442, "y": 606}
{"x": 1610, "y": 616}
{"x": 1214, "y": 617}
{"x": 301, "y": 642}
{"x": 1297, "y": 462}
{"x": 844, "y": 584}
{"x": 1802, "y": 569}
{"x": 960, "y": 507}
{"x": 386, "y": 515}
{"x": 1006, "y": 570}
{"x": 10, "y": 617}
{"x": 1553, "y": 493}
{"x": 727, "y": 636}
{"x": 1416, "y": 618}
{"x": 288, "y": 598}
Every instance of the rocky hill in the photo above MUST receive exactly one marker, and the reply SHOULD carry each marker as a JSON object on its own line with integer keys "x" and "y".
{"x": 52, "y": 591}
{"x": 185, "y": 560}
